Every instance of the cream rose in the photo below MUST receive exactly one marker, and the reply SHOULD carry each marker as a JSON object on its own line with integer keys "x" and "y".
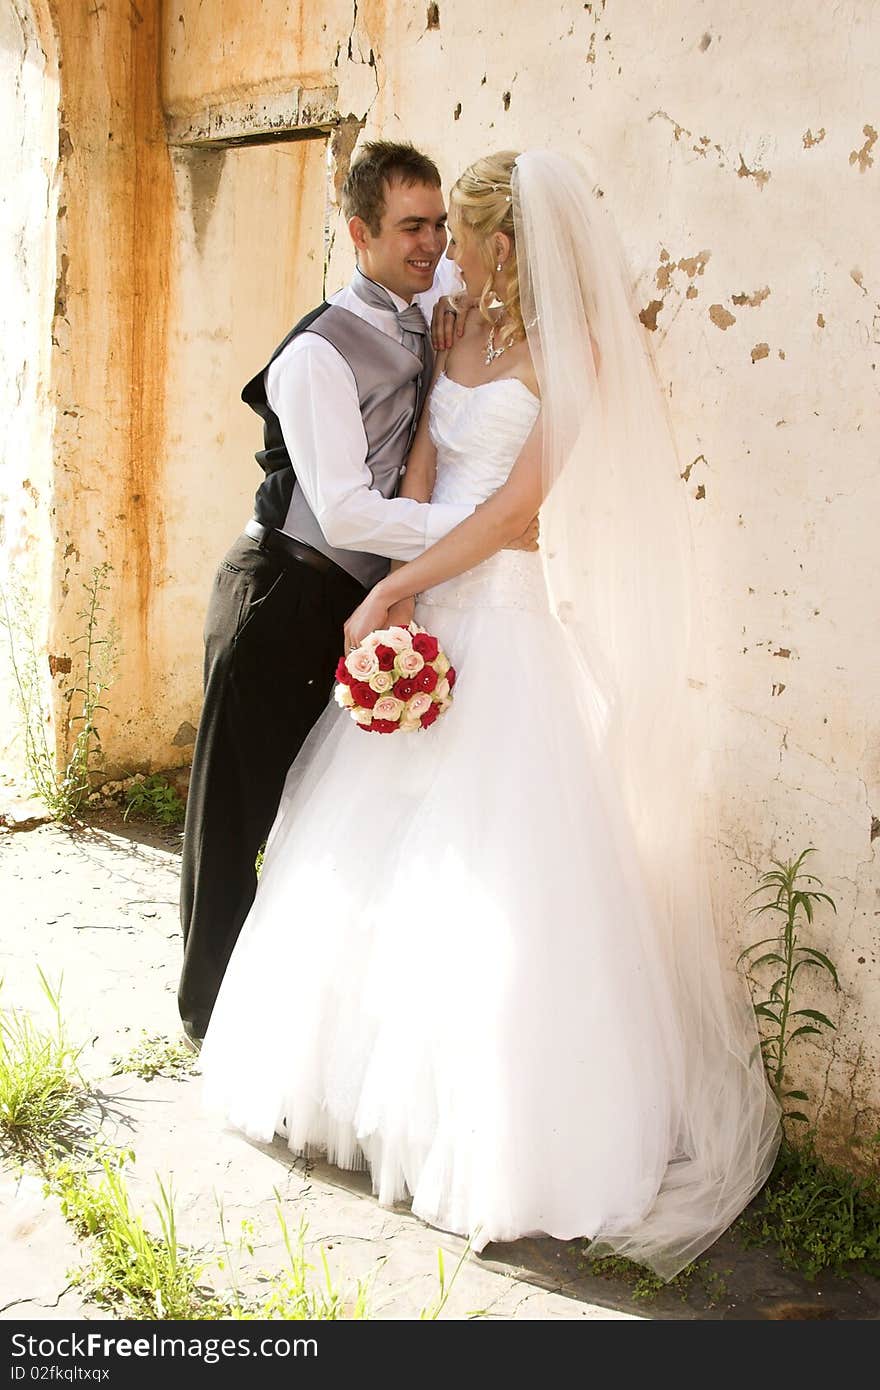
{"x": 408, "y": 663}
{"x": 441, "y": 664}
{"x": 389, "y": 707}
{"x": 344, "y": 696}
{"x": 364, "y": 716}
{"x": 408, "y": 726}
{"x": 361, "y": 664}
{"x": 397, "y": 638}
{"x": 381, "y": 682}
{"x": 418, "y": 705}
{"x": 441, "y": 689}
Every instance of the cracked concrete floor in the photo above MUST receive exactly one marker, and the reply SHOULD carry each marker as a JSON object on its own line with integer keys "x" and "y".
{"x": 98, "y": 902}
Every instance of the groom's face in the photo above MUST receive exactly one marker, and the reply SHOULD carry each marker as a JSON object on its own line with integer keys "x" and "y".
{"x": 403, "y": 254}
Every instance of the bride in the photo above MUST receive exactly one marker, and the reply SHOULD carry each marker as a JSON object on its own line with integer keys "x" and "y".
{"x": 482, "y": 960}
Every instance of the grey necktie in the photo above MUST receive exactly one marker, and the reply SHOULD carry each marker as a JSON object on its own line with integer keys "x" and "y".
{"x": 411, "y": 319}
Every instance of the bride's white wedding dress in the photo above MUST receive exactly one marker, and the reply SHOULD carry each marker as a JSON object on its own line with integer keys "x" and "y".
{"x": 450, "y": 973}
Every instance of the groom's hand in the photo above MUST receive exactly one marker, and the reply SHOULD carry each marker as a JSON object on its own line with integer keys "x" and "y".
{"x": 529, "y": 538}
{"x": 448, "y": 320}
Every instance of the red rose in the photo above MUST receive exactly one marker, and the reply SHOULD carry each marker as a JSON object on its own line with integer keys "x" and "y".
{"x": 426, "y": 645}
{"x": 342, "y": 672}
{"x": 403, "y": 688}
{"x": 426, "y": 679}
{"x": 451, "y": 677}
{"x": 384, "y": 726}
{"x": 385, "y": 657}
{"x": 429, "y": 716}
{"x": 363, "y": 694}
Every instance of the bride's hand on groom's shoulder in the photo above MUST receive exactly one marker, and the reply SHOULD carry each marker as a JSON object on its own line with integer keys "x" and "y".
{"x": 448, "y": 319}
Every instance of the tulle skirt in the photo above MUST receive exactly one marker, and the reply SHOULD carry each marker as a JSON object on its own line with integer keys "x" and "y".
{"x": 450, "y": 974}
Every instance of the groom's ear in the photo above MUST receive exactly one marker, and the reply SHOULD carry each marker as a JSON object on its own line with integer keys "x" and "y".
{"x": 359, "y": 232}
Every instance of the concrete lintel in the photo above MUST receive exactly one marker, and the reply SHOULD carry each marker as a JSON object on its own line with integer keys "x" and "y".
{"x": 287, "y": 115}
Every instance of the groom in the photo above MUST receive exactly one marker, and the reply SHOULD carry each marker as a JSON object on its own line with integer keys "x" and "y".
{"x": 340, "y": 400}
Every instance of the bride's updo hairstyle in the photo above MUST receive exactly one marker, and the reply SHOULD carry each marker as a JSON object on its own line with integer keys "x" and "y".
{"x": 480, "y": 204}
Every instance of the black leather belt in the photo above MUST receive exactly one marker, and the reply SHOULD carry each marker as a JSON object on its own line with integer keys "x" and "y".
{"x": 278, "y": 543}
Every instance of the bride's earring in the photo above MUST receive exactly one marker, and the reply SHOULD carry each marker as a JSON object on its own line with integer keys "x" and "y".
{"x": 497, "y": 301}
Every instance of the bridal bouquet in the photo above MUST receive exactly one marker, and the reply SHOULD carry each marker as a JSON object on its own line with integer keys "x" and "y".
{"x": 396, "y": 679}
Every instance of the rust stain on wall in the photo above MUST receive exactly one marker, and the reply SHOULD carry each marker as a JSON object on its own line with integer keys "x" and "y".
{"x": 810, "y": 139}
{"x": 760, "y": 350}
{"x": 147, "y": 252}
{"x": 115, "y": 244}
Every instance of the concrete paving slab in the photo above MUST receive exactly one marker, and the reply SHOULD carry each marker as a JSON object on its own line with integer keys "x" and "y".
{"x": 98, "y": 904}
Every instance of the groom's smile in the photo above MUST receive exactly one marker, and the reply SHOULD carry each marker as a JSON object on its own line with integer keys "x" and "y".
{"x": 404, "y": 253}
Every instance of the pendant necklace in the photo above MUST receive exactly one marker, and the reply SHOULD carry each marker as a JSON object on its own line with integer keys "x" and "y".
{"x": 493, "y": 352}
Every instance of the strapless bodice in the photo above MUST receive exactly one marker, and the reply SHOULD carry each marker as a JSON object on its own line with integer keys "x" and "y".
{"x": 478, "y": 432}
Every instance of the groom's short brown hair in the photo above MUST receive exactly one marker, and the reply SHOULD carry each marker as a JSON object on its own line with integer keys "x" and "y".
{"x": 383, "y": 162}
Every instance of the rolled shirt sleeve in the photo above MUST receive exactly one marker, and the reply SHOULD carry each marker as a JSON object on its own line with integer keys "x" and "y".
{"x": 313, "y": 392}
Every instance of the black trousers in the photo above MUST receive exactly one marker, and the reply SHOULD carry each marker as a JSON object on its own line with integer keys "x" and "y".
{"x": 273, "y": 636}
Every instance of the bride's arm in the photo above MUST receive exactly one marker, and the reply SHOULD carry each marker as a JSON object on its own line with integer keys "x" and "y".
{"x": 494, "y": 524}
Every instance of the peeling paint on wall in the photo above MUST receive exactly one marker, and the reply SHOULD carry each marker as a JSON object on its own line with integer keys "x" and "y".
{"x": 721, "y": 317}
{"x": 863, "y": 157}
{"x": 752, "y": 300}
{"x": 761, "y": 176}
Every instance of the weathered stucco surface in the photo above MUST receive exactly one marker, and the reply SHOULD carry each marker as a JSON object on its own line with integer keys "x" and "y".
{"x": 736, "y": 147}
{"x": 28, "y": 208}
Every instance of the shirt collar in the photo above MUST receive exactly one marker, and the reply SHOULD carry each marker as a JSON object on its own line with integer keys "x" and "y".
{"x": 399, "y": 304}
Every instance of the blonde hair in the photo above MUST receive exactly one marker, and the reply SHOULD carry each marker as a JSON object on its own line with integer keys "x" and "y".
{"x": 481, "y": 201}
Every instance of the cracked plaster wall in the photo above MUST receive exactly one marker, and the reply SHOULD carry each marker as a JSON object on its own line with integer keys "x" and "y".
{"x": 736, "y": 147}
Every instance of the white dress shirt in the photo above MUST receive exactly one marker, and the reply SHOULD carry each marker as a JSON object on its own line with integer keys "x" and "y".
{"x": 312, "y": 390}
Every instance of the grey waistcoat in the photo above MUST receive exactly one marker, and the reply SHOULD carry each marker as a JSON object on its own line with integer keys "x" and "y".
{"x": 391, "y": 390}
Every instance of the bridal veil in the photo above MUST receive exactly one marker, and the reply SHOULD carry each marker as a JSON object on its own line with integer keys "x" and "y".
{"x": 620, "y": 566}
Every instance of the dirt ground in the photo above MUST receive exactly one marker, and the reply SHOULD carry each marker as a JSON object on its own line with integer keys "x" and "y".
{"x": 95, "y": 905}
